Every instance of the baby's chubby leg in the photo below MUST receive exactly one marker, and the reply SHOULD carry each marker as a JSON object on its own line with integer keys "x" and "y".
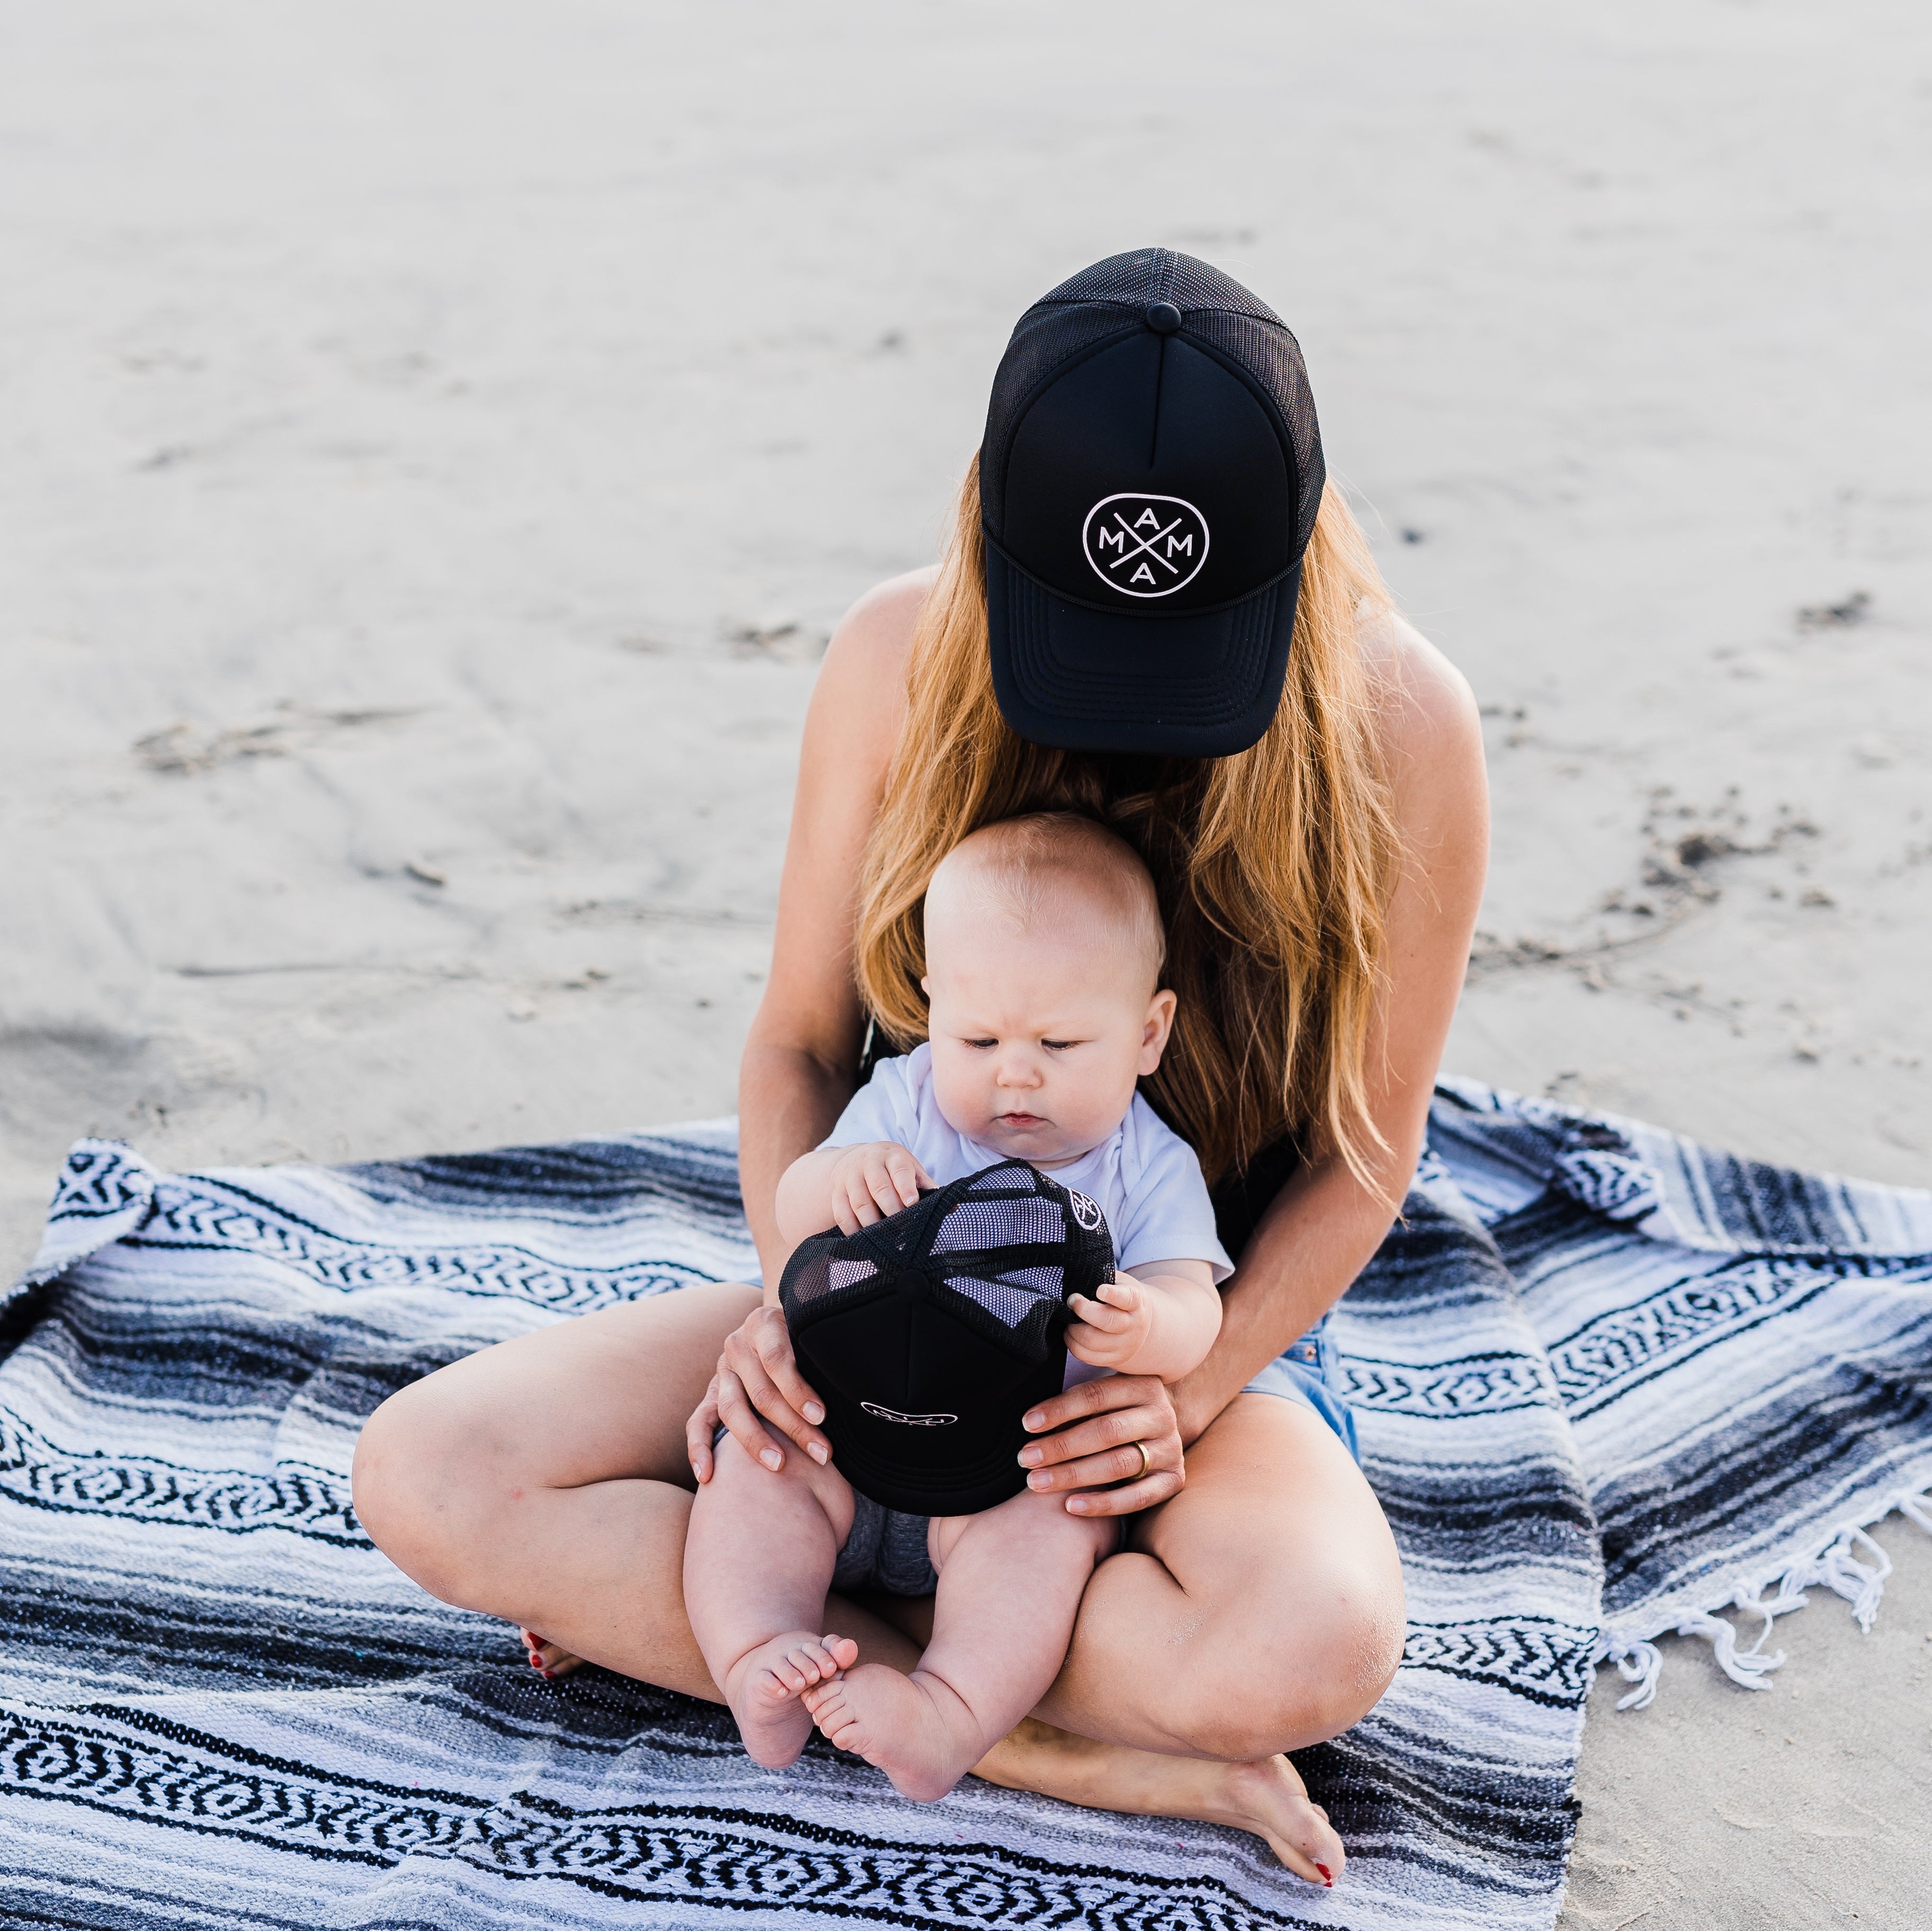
{"x": 758, "y": 1561}
{"x": 1010, "y": 1580}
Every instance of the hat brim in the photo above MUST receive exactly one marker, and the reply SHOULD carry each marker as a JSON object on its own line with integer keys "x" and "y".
{"x": 1184, "y": 685}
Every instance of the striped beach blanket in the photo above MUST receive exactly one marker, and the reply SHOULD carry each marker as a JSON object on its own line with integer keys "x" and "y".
{"x": 1607, "y": 1383}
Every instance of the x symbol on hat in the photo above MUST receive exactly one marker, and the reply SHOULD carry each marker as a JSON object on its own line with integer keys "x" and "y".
{"x": 1146, "y": 543}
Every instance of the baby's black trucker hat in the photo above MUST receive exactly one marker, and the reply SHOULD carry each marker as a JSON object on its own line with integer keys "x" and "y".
{"x": 930, "y": 1334}
{"x": 1148, "y": 480}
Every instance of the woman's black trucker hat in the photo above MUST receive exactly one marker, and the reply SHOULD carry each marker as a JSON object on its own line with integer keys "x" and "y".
{"x": 1149, "y": 477}
{"x": 930, "y": 1334}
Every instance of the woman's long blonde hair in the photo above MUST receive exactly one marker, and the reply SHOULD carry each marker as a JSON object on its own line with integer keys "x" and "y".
{"x": 1273, "y": 866}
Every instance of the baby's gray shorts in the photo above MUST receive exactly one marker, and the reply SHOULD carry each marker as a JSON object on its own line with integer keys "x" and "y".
{"x": 887, "y": 1550}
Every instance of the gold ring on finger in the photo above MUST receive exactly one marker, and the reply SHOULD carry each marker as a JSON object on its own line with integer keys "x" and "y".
{"x": 1147, "y": 1460}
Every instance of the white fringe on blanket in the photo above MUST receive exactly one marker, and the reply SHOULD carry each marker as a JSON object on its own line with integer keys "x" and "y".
{"x": 1836, "y": 1568}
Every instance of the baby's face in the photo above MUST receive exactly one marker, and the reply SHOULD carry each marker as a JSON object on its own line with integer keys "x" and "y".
{"x": 1037, "y": 1037}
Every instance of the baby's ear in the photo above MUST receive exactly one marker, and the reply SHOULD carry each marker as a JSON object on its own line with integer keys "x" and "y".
{"x": 1156, "y": 1030}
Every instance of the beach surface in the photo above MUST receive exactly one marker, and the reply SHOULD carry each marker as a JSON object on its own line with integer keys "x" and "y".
{"x": 441, "y": 439}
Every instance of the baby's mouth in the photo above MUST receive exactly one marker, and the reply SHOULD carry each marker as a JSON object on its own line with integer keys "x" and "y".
{"x": 1019, "y": 1122}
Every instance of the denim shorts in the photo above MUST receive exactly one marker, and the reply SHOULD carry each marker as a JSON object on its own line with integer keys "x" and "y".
{"x": 1309, "y": 1373}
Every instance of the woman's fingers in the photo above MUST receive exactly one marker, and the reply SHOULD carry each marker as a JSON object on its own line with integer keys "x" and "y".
{"x": 760, "y": 1356}
{"x": 1096, "y": 1415}
{"x": 698, "y": 1432}
{"x": 736, "y": 1411}
{"x": 775, "y": 1357}
{"x": 1156, "y": 1485}
{"x": 1119, "y": 1430}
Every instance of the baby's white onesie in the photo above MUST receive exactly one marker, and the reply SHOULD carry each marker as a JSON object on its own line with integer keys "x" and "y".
{"x": 1144, "y": 1175}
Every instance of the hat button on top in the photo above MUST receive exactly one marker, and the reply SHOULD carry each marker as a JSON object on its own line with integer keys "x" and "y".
{"x": 1163, "y": 317}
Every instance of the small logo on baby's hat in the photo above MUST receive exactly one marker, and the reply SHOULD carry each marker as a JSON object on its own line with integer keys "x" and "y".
{"x": 910, "y": 1421}
{"x": 1087, "y": 1211}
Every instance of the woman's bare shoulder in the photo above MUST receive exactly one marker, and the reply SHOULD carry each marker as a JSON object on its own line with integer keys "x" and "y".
{"x": 1426, "y": 711}
{"x": 858, "y": 704}
{"x": 875, "y": 635}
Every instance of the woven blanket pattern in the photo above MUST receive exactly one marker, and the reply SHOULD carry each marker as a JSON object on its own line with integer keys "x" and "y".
{"x": 221, "y": 1706}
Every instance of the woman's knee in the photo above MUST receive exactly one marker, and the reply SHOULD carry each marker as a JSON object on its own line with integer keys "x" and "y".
{"x": 418, "y": 1485}
{"x": 1303, "y": 1658}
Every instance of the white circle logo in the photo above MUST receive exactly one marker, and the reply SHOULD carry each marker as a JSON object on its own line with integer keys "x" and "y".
{"x": 1145, "y": 546}
{"x": 1084, "y": 1210}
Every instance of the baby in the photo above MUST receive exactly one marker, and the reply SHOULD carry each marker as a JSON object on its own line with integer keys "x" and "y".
{"x": 1044, "y": 949}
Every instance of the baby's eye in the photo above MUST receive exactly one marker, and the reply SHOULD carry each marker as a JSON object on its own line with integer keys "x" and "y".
{"x": 980, "y": 1045}
{"x": 1059, "y": 1045}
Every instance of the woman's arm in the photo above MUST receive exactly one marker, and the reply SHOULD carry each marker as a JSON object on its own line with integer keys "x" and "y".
{"x": 801, "y": 1060}
{"x": 1325, "y": 1226}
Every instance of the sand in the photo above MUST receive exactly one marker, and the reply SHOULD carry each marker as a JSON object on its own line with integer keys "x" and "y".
{"x": 439, "y": 439}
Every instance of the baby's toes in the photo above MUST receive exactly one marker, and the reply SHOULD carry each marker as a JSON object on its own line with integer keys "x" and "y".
{"x": 810, "y": 1664}
{"x": 778, "y": 1682}
{"x": 829, "y": 1709}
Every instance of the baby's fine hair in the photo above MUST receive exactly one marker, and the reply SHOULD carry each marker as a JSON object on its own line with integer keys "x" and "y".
{"x": 1032, "y": 866}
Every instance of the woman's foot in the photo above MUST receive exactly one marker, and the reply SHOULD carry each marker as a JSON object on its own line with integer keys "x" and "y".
{"x": 764, "y": 1689}
{"x": 1267, "y": 1798}
{"x": 1270, "y": 1799}
{"x": 547, "y": 1659}
{"x": 913, "y": 1727}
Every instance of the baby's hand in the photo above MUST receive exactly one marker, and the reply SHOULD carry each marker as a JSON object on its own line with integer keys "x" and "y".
{"x": 872, "y": 1181}
{"x": 1111, "y": 1331}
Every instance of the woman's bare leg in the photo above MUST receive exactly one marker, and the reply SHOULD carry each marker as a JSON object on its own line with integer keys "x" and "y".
{"x": 543, "y": 1480}
{"x": 1270, "y": 1589}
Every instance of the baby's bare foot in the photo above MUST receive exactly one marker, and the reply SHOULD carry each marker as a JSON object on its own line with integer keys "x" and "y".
{"x": 547, "y": 1659}
{"x": 913, "y": 1727}
{"x": 1270, "y": 1799}
{"x": 764, "y": 1690}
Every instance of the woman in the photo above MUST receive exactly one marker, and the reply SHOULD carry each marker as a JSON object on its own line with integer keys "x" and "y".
{"x": 1151, "y": 608}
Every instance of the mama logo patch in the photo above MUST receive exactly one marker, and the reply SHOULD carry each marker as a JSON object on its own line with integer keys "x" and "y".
{"x": 910, "y": 1421}
{"x": 1145, "y": 546}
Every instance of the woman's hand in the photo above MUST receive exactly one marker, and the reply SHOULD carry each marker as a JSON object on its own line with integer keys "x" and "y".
{"x": 757, "y": 1377}
{"x": 1096, "y": 1434}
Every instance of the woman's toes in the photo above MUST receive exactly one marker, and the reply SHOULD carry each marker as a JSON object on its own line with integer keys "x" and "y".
{"x": 546, "y": 1658}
